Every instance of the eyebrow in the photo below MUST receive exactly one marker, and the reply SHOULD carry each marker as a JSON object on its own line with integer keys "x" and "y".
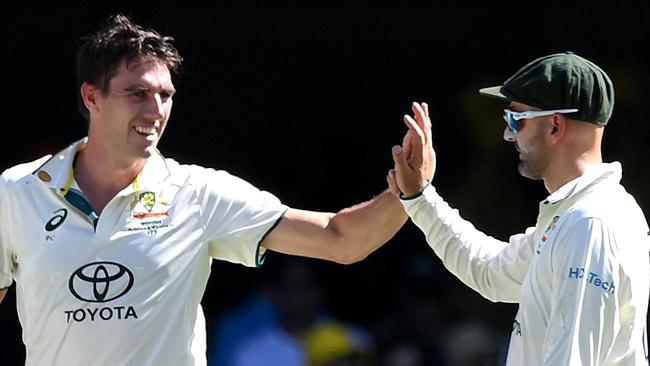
{"x": 134, "y": 88}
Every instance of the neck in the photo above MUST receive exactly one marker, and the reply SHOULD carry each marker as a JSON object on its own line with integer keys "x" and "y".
{"x": 564, "y": 169}
{"x": 100, "y": 177}
{"x": 562, "y": 176}
{"x": 579, "y": 148}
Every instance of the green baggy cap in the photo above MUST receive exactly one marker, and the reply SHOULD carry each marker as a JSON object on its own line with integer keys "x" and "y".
{"x": 561, "y": 81}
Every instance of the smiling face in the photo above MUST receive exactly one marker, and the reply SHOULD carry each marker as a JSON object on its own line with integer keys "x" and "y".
{"x": 129, "y": 120}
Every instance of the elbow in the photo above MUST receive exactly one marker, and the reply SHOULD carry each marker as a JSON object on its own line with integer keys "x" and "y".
{"x": 348, "y": 253}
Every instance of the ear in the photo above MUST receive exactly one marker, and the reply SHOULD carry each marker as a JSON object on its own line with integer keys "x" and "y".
{"x": 558, "y": 127}
{"x": 90, "y": 95}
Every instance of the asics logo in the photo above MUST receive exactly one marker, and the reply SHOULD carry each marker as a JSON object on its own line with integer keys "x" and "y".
{"x": 57, "y": 220}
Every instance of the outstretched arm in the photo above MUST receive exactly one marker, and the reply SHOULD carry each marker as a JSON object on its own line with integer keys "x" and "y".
{"x": 345, "y": 237}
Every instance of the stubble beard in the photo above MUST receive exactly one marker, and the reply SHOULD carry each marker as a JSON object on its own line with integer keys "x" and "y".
{"x": 530, "y": 171}
{"x": 533, "y": 162}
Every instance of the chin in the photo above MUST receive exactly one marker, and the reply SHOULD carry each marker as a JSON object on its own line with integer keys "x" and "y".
{"x": 527, "y": 172}
{"x": 142, "y": 153}
{"x": 150, "y": 151}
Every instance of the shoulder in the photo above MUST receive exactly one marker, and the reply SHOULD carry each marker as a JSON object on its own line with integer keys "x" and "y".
{"x": 601, "y": 232}
{"x": 206, "y": 180}
{"x": 11, "y": 176}
{"x": 196, "y": 174}
{"x": 609, "y": 203}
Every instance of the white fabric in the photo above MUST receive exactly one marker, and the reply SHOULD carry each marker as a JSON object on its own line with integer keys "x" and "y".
{"x": 581, "y": 276}
{"x": 149, "y": 257}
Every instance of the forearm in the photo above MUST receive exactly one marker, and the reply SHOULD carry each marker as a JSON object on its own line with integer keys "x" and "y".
{"x": 489, "y": 266}
{"x": 365, "y": 227}
{"x": 345, "y": 237}
{"x": 3, "y": 292}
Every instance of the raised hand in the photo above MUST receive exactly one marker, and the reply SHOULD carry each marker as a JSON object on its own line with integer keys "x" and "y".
{"x": 415, "y": 160}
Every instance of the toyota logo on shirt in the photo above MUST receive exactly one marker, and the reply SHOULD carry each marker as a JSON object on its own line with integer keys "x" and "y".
{"x": 100, "y": 282}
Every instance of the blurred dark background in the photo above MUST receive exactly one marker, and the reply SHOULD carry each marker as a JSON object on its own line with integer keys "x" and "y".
{"x": 305, "y": 101}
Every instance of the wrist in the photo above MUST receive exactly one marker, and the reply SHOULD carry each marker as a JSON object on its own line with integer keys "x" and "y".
{"x": 406, "y": 197}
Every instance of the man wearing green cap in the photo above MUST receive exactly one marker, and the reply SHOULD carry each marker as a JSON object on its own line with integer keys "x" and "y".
{"x": 581, "y": 276}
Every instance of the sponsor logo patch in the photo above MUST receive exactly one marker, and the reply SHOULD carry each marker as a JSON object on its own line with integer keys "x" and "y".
{"x": 592, "y": 278}
{"x": 101, "y": 282}
{"x": 148, "y": 214}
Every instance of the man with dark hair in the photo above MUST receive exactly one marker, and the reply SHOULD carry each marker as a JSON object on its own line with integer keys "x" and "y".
{"x": 581, "y": 276}
{"x": 110, "y": 243}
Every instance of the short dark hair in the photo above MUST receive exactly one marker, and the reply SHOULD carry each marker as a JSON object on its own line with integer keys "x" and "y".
{"x": 100, "y": 54}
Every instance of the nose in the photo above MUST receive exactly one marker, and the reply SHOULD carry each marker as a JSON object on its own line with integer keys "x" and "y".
{"x": 155, "y": 107}
{"x": 508, "y": 135}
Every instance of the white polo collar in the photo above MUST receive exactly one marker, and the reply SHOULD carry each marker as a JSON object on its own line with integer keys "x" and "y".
{"x": 610, "y": 171}
{"x": 58, "y": 174}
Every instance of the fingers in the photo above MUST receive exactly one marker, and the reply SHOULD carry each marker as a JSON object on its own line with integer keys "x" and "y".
{"x": 420, "y": 119}
{"x": 400, "y": 159}
{"x": 392, "y": 183}
{"x": 428, "y": 126}
{"x": 414, "y": 127}
{"x": 421, "y": 113}
{"x": 407, "y": 178}
{"x": 407, "y": 145}
{"x": 425, "y": 107}
{"x": 417, "y": 138}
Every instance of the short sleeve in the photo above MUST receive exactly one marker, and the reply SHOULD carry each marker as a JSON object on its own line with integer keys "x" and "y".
{"x": 7, "y": 258}
{"x": 7, "y": 266}
{"x": 236, "y": 217}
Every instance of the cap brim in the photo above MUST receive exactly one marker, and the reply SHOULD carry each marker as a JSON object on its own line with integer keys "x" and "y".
{"x": 494, "y": 92}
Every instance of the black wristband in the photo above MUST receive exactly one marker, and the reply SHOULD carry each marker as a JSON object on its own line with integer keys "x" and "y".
{"x": 413, "y": 196}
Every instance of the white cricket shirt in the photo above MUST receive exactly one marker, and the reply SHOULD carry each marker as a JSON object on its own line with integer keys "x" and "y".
{"x": 123, "y": 288}
{"x": 581, "y": 276}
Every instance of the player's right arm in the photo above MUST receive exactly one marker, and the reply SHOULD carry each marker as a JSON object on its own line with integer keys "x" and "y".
{"x": 3, "y": 292}
{"x": 493, "y": 268}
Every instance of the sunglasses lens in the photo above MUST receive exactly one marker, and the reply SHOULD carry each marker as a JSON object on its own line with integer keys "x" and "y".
{"x": 512, "y": 123}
